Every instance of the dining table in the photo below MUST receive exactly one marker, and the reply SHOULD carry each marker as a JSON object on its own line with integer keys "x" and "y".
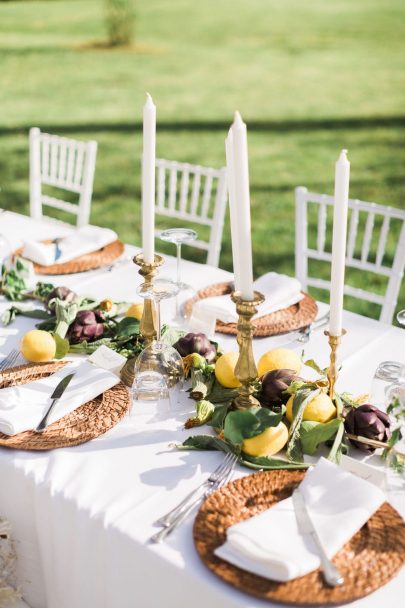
{"x": 82, "y": 517}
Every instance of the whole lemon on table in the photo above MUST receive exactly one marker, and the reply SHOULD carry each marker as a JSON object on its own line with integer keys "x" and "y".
{"x": 319, "y": 409}
{"x": 135, "y": 310}
{"x": 225, "y": 370}
{"x": 38, "y": 346}
{"x": 279, "y": 358}
{"x": 268, "y": 443}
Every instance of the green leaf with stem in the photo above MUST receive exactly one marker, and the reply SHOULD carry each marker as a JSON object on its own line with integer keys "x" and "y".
{"x": 206, "y": 442}
{"x": 337, "y": 447}
{"x": 243, "y": 424}
{"x": 218, "y": 417}
{"x": 302, "y": 397}
{"x": 312, "y": 434}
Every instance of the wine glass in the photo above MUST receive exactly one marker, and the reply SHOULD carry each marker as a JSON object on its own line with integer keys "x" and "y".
{"x": 180, "y": 236}
{"x": 387, "y": 374}
{"x": 159, "y": 367}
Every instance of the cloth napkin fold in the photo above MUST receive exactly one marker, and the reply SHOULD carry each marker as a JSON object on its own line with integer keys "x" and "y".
{"x": 280, "y": 291}
{"x": 84, "y": 240}
{"x": 271, "y": 545}
{"x": 22, "y": 407}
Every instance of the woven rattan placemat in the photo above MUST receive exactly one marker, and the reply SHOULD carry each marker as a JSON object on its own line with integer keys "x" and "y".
{"x": 90, "y": 261}
{"x": 368, "y": 561}
{"x": 86, "y": 422}
{"x": 285, "y": 320}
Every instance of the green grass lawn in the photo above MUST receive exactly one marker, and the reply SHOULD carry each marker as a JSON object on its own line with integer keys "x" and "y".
{"x": 308, "y": 77}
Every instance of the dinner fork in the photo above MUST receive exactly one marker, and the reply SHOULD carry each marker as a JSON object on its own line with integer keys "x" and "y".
{"x": 164, "y": 532}
{"x": 306, "y": 332}
{"x": 9, "y": 359}
{"x": 167, "y": 519}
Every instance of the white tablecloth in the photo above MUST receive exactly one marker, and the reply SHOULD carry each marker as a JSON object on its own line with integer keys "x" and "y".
{"x": 82, "y": 516}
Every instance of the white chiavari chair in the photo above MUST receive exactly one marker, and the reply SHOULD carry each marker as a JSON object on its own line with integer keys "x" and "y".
{"x": 195, "y": 194}
{"x": 63, "y": 163}
{"x": 372, "y": 230}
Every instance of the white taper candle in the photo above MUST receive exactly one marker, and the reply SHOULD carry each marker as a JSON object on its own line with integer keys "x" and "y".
{"x": 342, "y": 176}
{"x": 242, "y": 206}
{"x": 148, "y": 180}
{"x": 230, "y": 173}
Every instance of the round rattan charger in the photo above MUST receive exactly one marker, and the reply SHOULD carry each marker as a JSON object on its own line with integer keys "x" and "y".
{"x": 90, "y": 261}
{"x": 86, "y": 422}
{"x": 368, "y": 561}
{"x": 282, "y": 321}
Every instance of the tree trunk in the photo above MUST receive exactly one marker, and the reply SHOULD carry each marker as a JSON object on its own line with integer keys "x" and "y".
{"x": 120, "y": 21}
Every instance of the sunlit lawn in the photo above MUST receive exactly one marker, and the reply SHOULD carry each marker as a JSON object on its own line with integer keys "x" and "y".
{"x": 309, "y": 78}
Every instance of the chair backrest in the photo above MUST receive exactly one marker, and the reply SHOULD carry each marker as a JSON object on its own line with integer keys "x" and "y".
{"x": 193, "y": 194}
{"x": 64, "y": 163}
{"x": 369, "y": 229}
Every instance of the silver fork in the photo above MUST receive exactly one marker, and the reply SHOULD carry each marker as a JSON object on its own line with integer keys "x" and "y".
{"x": 9, "y": 359}
{"x": 167, "y": 519}
{"x": 305, "y": 333}
{"x": 164, "y": 532}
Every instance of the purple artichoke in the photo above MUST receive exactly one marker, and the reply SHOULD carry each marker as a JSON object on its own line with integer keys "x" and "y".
{"x": 274, "y": 384}
{"x": 196, "y": 343}
{"x": 87, "y": 326}
{"x": 59, "y": 293}
{"x": 369, "y": 422}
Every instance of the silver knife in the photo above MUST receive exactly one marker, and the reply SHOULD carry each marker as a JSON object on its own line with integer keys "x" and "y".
{"x": 56, "y": 395}
{"x": 331, "y": 574}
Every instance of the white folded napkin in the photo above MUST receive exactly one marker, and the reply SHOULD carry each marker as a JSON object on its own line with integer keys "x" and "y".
{"x": 84, "y": 240}
{"x": 22, "y": 407}
{"x": 280, "y": 291}
{"x": 271, "y": 545}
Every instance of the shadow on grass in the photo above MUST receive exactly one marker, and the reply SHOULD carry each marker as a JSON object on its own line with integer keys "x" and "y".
{"x": 222, "y": 125}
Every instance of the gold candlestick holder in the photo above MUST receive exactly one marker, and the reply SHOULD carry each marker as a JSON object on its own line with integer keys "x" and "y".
{"x": 332, "y": 373}
{"x": 147, "y": 324}
{"x": 245, "y": 369}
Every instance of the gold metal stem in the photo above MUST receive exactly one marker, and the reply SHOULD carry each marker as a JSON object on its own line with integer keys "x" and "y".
{"x": 332, "y": 373}
{"x": 245, "y": 369}
{"x": 148, "y": 321}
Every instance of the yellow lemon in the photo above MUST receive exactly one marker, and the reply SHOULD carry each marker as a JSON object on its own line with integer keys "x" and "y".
{"x": 225, "y": 370}
{"x": 271, "y": 441}
{"x": 38, "y": 346}
{"x": 279, "y": 358}
{"x": 319, "y": 409}
{"x": 135, "y": 310}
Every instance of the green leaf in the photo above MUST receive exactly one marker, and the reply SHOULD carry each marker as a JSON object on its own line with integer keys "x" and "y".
{"x": 313, "y": 365}
{"x": 42, "y": 290}
{"x": 337, "y": 447}
{"x": 242, "y": 424}
{"x": 312, "y": 434}
{"x": 62, "y": 346}
{"x": 205, "y": 442}
{"x": 302, "y": 397}
{"x": 269, "y": 463}
{"x": 127, "y": 327}
{"x": 10, "y": 314}
{"x": 220, "y": 394}
{"x": 218, "y": 417}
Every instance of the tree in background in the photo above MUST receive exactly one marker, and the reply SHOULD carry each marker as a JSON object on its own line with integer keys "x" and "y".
{"x": 120, "y": 20}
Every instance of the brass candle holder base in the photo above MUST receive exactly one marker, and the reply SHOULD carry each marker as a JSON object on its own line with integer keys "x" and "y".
{"x": 332, "y": 373}
{"x": 245, "y": 369}
{"x": 147, "y": 325}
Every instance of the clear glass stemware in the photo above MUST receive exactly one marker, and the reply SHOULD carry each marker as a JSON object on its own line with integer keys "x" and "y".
{"x": 180, "y": 236}
{"x": 159, "y": 367}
